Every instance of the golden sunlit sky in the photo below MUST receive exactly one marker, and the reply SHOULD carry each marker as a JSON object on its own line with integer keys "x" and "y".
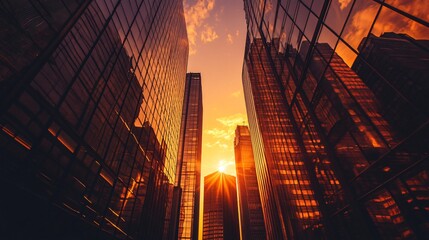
{"x": 216, "y": 32}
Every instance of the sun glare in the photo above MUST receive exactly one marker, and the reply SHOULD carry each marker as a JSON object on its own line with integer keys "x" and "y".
{"x": 222, "y": 166}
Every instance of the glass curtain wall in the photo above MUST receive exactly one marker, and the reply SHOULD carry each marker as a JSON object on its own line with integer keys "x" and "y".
{"x": 336, "y": 102}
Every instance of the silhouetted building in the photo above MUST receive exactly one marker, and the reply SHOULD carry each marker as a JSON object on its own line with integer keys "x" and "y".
{"x": 330, "y": 164}
{"x": 395, "y": 68}
{"x": 189, "y": 160}
{"x": 251, "y": 218}
{"x": 220, "y": 219}
{"x": 88, "y": 143}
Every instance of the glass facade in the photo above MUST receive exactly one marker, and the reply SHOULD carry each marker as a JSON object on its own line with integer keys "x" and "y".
{"x": 338, "y": 117}
{"x": 190, "y": 157}
{"x": 91, "y": 97}
{"x": 251, "y": 218}
{"x": 220, "y": 218}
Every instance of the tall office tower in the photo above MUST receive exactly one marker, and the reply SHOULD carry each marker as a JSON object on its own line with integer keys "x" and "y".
{"x": 220, "y": 219}
{"x": 395, "y": 67}
{"x": 329, "y": 163}
{"x": 251, "y": 219}
{"x": 91, "y": 97}
{"x": 189, "y": 163}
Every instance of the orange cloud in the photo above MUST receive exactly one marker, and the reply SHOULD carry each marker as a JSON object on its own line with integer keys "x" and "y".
{"x": 388, "y": 21}
{"x": 236, "y": 94}
{"x": 224, "y": 135}
{"x": 218, "y": 144}
{"x": 229, "y": 38}
{"x": 220, "y": 133}
{"x": 208, "y": 34}
{"x": 344, "y": 3}
{"x": 195, "y": 16}
{"x": 232, "y": 120}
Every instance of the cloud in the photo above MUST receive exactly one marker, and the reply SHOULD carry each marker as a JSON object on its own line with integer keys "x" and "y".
{"x": 217, "y": 15}
{"x": 236, "y": 94}
{"x": 344, "y": 3}
{"x": 232, "y": 120}
{"x": 224, "y": 135}
{"x": 360, "y": 24}
{"x": 387, "y": 21}
{"x": 218, "y": 144}
{"x": 208, "y": 35}
{"x": 224, "y": 164}
{"x": 195, "y": 16}
{"x": 219, "y": 133}
{"x": 229, "y": 39}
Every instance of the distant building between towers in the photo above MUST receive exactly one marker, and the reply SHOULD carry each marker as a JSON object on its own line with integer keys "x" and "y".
{"x": 251, "y": 218}
{"x": 220, "y": 218}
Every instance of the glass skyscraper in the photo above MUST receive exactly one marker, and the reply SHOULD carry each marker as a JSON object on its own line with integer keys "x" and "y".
{"x": 395, "y": 68}
{"x": 251, "y": 219}
{"x": 220, "y": 218}
{"x": 189, "y": 163}
{"x": 335, "y": 155}
{"x": 91, "y": 97}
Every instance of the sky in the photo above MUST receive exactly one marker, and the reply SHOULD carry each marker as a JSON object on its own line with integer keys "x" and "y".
{"x": 216, "y": 35}
{"x": 216, "y": 32}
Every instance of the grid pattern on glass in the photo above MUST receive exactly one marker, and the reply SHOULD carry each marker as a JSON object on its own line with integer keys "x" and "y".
{"x": 190, "y": 157}
{"x": 347, "y": 75}
{"x": 251, "y": 218}
{"x": 91, "y": 111}
{"x": 220, "y": 215}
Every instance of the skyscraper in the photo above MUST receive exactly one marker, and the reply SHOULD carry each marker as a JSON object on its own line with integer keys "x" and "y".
{"x": 395, "y": 68}
{"x": 330, "y": 163}
{"x": 251, "y": 219}
{"x": 91, "y": 97}
{"x": 220, "y": 219}
{"x": 189, "y": 158}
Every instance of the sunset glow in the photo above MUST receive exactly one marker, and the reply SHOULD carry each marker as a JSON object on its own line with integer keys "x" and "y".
{"x": 217, "y": 33}
{"x": 222, "y": 168}
{"x": 214, "y": 119}
{"x": 225, "y": 166}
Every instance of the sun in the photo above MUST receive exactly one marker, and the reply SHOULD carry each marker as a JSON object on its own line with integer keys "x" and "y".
{"x": 222, "y": 166}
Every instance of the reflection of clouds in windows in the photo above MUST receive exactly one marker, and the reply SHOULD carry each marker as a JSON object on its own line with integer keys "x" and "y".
{"x": 344, "y": 3}
{"x": 387, "y": 21}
